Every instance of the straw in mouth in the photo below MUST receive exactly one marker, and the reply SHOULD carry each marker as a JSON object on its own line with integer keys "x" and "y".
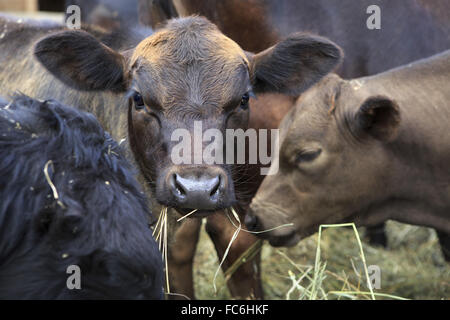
{"x": 233, "y": 238}
{"x": 160, "y": 235}
{"x": 244, "y": 257}
{"x": 187, "y": 215}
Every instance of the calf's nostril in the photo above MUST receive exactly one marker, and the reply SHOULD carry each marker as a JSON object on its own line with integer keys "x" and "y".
{"x": 215, "y": 188}
{"x": 179, "y": 189}
{"x": 251, "y": 222}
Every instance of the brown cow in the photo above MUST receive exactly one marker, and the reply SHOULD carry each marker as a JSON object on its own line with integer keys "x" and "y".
{"x": 364, "y": 150}
{"x": 411, "y": 32}
{"x": 186, "y": 71}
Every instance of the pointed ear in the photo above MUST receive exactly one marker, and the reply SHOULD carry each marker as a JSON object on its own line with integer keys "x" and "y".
{"x": 378, "y": 117}
{"x": 294, "y": 64}
{"x": 82, "y": 62}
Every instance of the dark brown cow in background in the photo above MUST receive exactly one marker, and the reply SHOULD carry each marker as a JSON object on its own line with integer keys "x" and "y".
{"x": 364, "y": 150}
{"x": 410, "y": 30}
{"x": 108, "y": 14}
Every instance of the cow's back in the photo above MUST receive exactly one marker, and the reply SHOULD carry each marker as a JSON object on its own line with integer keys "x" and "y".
{"x": 422, "y": 92}
{"x": 409, "y": 31}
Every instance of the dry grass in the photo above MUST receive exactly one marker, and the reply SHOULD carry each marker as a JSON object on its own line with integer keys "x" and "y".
{"x": 160, "y": 235}
{"x": 411, "y": 267}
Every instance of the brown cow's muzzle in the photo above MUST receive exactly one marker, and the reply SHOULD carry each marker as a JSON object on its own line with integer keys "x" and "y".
{"x": 285, "y": 236}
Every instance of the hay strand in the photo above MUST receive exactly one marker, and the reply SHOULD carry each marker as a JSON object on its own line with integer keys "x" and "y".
{"x": 233, "y": 238}
{"x": 161, "y": 237}
{"x": 52, "y": 186}
{"x": 313, "y": 295}
{"x": 251, "y": 252}
{"x": 263, "y": 231}
{"x": 350, "y": 294}
{"x": 187, "y": 215}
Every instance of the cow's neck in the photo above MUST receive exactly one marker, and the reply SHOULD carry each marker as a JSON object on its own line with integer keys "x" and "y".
{"x": 406, "y": 210}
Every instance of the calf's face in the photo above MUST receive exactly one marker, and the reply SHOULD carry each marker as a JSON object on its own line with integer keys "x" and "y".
{"x": 185, "y": 76}
{"x": 332, "y": 162}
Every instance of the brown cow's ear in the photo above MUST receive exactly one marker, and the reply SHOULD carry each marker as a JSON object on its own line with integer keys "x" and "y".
{"x": 379, "y": 117}
{"x": 82, "y": 62}
{"x": 294, "y": 64}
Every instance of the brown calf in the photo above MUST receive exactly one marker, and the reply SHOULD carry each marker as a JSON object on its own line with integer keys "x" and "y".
{"x": 364, "y": 150}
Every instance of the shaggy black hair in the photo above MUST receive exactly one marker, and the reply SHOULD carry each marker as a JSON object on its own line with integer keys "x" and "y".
{"x": 96, "y": 217}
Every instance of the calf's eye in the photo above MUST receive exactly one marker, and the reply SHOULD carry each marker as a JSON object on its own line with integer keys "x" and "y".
{"x": 307, "y": 156}
{"x": 138, "y": 101}
{"x": 244, "y": 101}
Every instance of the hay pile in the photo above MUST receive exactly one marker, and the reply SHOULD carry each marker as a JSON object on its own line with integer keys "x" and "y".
{"x": 411, "y": 267}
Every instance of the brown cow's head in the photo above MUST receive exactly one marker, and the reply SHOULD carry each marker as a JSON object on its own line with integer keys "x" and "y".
{"x": 333, "y": 161}
{"x": 186, "y": 72}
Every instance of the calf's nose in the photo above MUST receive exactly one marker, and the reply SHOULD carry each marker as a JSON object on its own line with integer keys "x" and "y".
{"x": 251, "y": 222}
{"x": 203, "y": 192}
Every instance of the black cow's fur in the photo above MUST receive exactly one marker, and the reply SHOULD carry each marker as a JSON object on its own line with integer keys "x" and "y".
{"x": 97, "y": 220}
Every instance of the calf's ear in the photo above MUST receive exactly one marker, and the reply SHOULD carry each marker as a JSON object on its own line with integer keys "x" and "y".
{"x": 294, "y": 64}
{"x": 82, "y": 62}
{"x": 379, "y": 117}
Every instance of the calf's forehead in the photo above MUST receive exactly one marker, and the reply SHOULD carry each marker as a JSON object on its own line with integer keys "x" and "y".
{"x": 312, "y": 122}
{"x": 310, "y": 116}
{"x": 185, "y": 46}
{"x": 198, "y": 83}
{"x": 191, "y": 64}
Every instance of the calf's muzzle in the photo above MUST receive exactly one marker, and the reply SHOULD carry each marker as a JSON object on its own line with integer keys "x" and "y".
{"x": 205, "y": 189}
{"x": 277, "y": 234}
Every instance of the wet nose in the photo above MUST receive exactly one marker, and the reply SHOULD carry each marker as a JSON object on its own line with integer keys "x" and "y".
{"x": 204, "y": 192}
{"x": 253, "y": 223}
{"x": 283, "y": 236}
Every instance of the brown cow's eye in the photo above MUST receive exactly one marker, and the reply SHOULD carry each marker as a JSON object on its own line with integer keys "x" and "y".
{"x": 138, "y": 101}
{"x": 244, "y": 101}
{"x": 307, "y": 156}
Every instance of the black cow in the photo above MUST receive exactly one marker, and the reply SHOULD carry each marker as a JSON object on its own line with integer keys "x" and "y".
{"x": 68, "y": 198}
